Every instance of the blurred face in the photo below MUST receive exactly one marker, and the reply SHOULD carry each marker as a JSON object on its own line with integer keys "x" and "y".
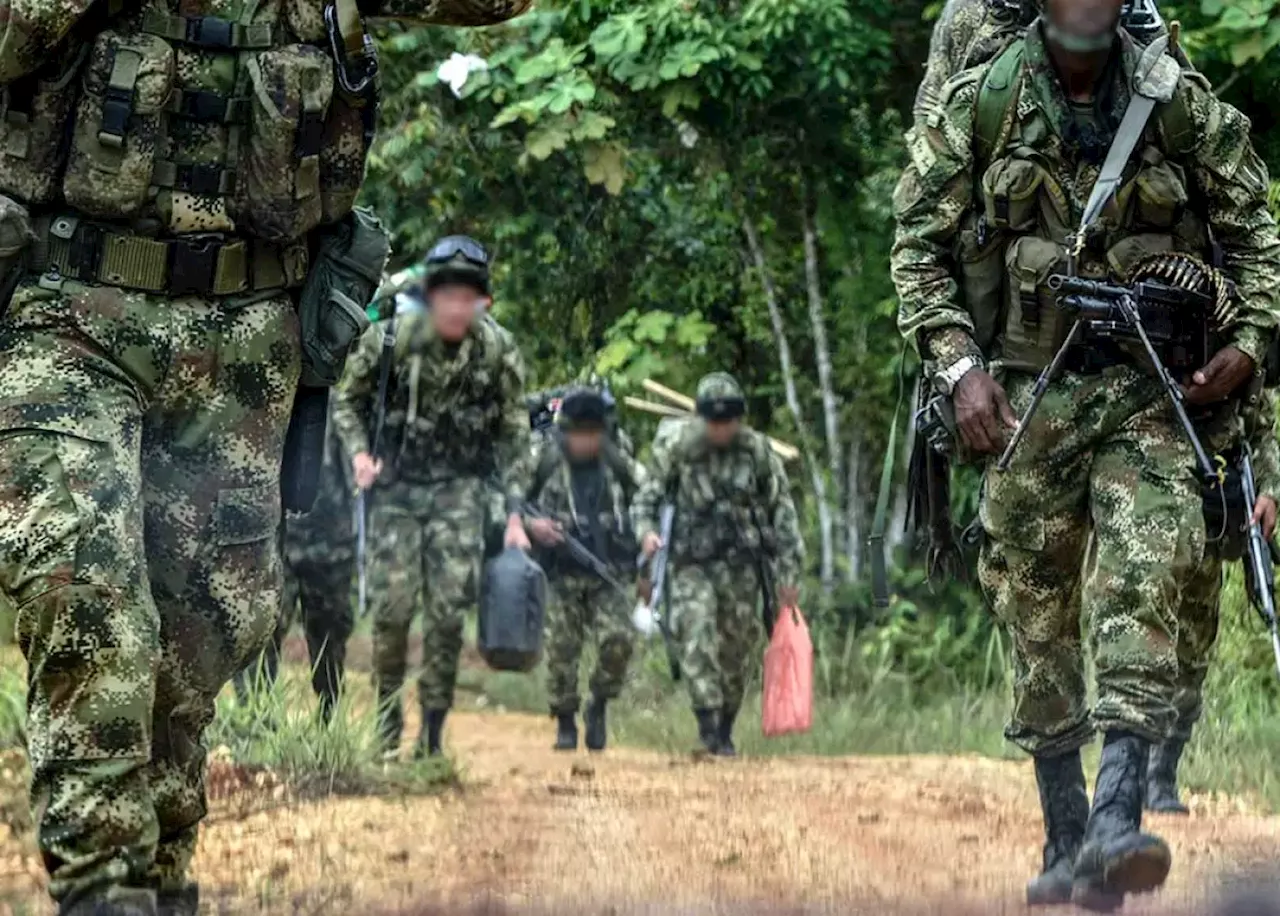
{"x": 583, "y": 444}
{"x": 720, "y": 433}
{"x": 453, "y": 307}
{"x": 1085, "y": 19}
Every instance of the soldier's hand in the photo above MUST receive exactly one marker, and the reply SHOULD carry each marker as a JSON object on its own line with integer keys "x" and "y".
{"x": 546, "y": 532}
{"x": 651, "y": 544}
{"x": 1264, "y": 514}
{"x": 788, "y": 596}
{"x": 515, "y": 536}
{"x": 983, "y": 412}
{"x": 366, "y": 470}
{"x": 1225, "y": 372}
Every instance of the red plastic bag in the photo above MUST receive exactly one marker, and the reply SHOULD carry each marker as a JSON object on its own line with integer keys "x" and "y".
{"x": 788, "y": 676}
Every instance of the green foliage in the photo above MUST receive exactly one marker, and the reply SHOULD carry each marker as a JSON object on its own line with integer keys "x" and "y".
{"x": 13, "y": 706}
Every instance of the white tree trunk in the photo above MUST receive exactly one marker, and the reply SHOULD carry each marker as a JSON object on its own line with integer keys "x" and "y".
{"x": 822, "y": 352}
{"x": 854, "y": 513}
{"x": 825, "y": 522}
{"x": 897, "y": 532}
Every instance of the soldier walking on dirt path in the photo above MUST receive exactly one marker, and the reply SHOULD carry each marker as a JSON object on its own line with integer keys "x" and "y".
{"x": 972, "y": 278}
{"x": 455, "y": 419}
{"x": 318, "y": 550}
{"x": 735, "y": 531}
{"x": 180, "y": 250}
{"x": 583, "y": 485}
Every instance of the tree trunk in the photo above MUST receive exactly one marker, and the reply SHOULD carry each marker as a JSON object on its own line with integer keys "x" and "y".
{"x": 854, "y": 513}
{"x": 822, "y": 353}
{"x": 825, "y": 522}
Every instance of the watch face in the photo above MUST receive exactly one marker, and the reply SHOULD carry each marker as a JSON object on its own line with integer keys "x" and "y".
{"x": 941, "y": 385}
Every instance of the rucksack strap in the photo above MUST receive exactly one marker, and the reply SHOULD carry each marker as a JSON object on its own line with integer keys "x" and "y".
{"x": 996, "y": 98}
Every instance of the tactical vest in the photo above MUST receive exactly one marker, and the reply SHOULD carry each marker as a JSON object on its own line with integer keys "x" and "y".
{"x": 720, "y": 499}
{"x": 552, "y": 490}
{"x": 190, "y": 147}
{"x": 440, "y": 426}
{"x": 1017, "y": 234}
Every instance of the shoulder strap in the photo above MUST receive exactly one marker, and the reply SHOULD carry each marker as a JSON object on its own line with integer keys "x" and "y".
{"x": 548, "y": 459}
{"x": 617, "y": 465}
{"x": 996, "y": 98}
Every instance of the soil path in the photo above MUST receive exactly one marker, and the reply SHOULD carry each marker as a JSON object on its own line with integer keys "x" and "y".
{"x": 639, "y": 832}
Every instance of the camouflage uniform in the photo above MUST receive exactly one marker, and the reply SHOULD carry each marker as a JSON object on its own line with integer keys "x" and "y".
{"x": 456, "y": 425}
{"x": 733, "y": 505}
{"x": 1104, "y": 449}
{"x": 318, "y": 548}
{"x": 591, "y": 500}
{"x": 148, "y": 360}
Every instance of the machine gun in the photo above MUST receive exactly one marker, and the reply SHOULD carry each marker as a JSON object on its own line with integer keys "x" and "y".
{"x": 1259, "y": 570}
{"x": 1120, "y": 314}
{"x": 581, "y": 554}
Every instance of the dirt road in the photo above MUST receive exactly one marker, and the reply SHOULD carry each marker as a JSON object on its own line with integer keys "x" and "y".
{"x": 638, "y": 832}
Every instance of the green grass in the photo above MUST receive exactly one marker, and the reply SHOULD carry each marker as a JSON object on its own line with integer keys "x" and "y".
{"x": 279, "y": 729}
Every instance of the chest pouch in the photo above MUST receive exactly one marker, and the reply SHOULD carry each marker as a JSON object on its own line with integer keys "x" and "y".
{"x": 34, "y": 112}
{"x": 1034, "y": 326}
{"x": 119, "y": 124}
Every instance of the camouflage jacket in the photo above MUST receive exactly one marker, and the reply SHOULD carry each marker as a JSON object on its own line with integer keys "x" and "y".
{"x": 968, "y": 33}
{"x": 555, "y": 488}
{"x": 729, "y": 502}
{"x": 449, "y": 415}
{"x": 174, "y": 117}
{"x": 1226, "y": 186}
{"x": 327, "y": 528}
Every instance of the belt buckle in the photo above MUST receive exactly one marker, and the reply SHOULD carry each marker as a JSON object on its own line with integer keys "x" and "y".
{"x": 192, "y": 266}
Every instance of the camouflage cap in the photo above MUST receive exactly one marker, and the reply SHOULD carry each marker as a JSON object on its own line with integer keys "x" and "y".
{"x": 719, "y": 397}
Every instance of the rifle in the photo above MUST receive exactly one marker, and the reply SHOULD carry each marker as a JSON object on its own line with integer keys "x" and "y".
{"x": 582, "y": 554}
{"x": 379, "y": 420}
{"x": 1259, "y": 570}
{"x": 658, "y": 586}
{"x": 764, "y": 572}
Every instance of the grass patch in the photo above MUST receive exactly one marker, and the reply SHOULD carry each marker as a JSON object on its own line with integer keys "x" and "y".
{"x": 279, "y": 729}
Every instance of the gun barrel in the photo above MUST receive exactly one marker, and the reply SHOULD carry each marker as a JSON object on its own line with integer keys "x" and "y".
{"x": 1078, "y": 286}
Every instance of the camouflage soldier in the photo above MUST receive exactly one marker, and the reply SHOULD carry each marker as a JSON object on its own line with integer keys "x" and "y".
{"x": 1000, "y": 170}
{"x": 456, "y": 421}
{"x": 176, "y": 194}
{"x": 318, "y": 548}
{"x": 734, "y": 522}
{"x": 584, "y": 486}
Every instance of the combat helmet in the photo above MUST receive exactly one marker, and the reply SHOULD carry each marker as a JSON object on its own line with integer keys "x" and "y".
{"x": 457, "y": 259}
{"x": 719, "y": 397}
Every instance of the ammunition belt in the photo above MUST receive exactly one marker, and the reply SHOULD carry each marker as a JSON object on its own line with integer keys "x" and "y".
{"x": 71, "y": 248}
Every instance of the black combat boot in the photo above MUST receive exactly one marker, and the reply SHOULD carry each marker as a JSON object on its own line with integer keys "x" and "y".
{"x": 724, "y": 734}
{"x": 117, "y": 901}
{"x": 1117, "y": 858}
{"x": 430, "y": 739}
{"x": 390, "y": 722}
{"x": 566, "y": 732}
{"x": 182, "y": 902}
{"x": 1064, "y": 801}
{"x": 597, "y": 732}
{"x": 1162, "y": 778}
{"x": 708, "y": 730}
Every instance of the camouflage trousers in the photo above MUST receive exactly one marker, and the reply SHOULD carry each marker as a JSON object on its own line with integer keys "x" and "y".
{"x": 140, "y": 449}
{"x": 1197, "y": 632}
{"x": 584, "y": 607}
{"x": 426, "y": 543}
{"x": 1103, "y": 454}
{"x": 317, "y": 582}
{"x": 715, "y": 610}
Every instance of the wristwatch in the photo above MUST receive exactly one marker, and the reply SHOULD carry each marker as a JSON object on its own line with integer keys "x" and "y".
{"x": 945, "y": 380}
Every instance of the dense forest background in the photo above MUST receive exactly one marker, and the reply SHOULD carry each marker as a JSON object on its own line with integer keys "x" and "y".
{"x": 676, "y": 186}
